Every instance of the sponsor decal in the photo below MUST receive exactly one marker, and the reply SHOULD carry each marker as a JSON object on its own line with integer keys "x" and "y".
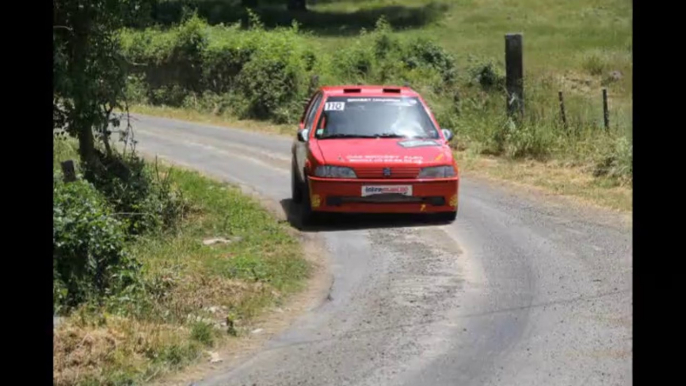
{"x": 384, "y": 159}
{"x": 417, "y": 143}
{"x": 405, "y": 190}
{"x": 404, "y": 102}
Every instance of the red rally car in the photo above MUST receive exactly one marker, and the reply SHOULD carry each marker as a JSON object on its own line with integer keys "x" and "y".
{"x": 372, "y": 149}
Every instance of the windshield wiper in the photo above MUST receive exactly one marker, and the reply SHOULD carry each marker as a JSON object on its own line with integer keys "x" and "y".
{"x": 394, "y": 135}
{"x": 346, "y": 136}
{"x": 389, "y": 135}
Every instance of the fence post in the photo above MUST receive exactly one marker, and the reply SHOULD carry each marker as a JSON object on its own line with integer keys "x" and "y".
{"x": 514, "y": 71}
{"x": 68, "y": 171}
{"x": 606, "y": 113}
{"x": 562, "y": 109}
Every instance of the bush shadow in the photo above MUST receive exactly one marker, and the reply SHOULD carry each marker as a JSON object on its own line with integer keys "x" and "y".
{"x": 275, "y": 14}
{"x": 356, "y": 221}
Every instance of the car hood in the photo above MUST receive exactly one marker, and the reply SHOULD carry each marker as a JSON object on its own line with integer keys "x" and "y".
{"x": 386, "y": 151}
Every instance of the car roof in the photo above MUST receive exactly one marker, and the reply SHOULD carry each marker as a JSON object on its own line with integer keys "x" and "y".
{"x": 369, "y": 90}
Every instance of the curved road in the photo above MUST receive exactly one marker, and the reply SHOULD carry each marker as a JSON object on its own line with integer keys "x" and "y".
{"x": 518, "y": 291}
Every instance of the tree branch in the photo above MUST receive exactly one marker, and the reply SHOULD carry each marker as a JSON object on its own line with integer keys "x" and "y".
{"x": 105, "y": 135}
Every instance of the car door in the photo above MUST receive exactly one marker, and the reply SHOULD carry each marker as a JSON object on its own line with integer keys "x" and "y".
{"x": 308, "y": 123}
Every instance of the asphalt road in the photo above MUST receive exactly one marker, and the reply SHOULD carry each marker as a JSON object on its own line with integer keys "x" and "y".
{"x": 520, "y": 290}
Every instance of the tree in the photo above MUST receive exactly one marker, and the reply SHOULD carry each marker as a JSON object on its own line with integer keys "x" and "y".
{"x": 89, "y": 73}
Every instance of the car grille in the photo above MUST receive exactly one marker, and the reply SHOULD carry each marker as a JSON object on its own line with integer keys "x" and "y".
{"x": 397, "y": 172}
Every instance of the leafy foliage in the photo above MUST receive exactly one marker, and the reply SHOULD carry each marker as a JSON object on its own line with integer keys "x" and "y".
{"x": 144, "y": 200}
{"x": 89, "y": 77}
{"x": 89, "y": 257}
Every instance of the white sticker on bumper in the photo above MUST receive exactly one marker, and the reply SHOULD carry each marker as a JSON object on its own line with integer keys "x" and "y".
{"x": 405, "y": 190}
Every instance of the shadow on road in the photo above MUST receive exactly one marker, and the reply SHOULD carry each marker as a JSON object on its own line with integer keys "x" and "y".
{"x": 348, "y": 221}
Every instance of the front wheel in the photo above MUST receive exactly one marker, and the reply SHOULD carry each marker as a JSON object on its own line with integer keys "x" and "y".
{"x": 296, "y": 189}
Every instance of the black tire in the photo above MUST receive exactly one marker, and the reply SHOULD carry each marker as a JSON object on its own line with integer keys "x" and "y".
{"x": 447, "y": 216}
{"x": 296, "y": 186}
{"x": 307, "y": 216}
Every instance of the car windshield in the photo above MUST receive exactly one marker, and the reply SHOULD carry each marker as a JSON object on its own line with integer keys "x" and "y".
{"x": 354, "y": 117}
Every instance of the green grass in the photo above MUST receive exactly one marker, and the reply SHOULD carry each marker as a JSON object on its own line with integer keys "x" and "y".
{"x": 191, "y": 288}
{"x": 572, "y": 46}
{"x": 558, "y": 35}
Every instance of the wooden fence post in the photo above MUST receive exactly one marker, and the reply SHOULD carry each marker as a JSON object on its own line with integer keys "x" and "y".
{"x": 606, "y": 113}
{"x": 68, "y": 171}
{"x": 562, "y": 109}
{"x": 514, "y": 69}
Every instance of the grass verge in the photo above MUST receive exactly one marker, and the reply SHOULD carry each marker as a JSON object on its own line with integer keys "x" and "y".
{"x": 196, "y": 296}
{"x": 554, "y": 176}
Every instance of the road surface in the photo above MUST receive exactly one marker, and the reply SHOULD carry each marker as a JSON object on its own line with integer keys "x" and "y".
{"x": 518, "y": 291}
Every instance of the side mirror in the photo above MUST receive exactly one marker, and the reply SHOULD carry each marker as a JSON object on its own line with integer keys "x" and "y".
{"x": 302, "y": 135}
{"x": 447, "y": 134}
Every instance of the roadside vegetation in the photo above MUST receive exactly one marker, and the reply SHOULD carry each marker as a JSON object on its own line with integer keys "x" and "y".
{"x": 217, "y": 58}
{"x": 148, "y": 286}
{"x": 152, "y": 266}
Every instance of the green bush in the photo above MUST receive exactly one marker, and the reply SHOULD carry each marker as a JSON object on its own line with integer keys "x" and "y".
{"x": 423, "y": 52}
{"x": 616, "y": 161}
{"x": 170, "y": 62}
{"x": 141, "y": 197}
{"x": 89, "y": 256}
{"x": 489, "y": 76}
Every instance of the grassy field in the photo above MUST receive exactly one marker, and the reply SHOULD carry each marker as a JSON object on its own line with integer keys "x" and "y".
{"x": 577, "y": 47}
{"x": 582, "y": 36}
{"x": 197, "y": 296}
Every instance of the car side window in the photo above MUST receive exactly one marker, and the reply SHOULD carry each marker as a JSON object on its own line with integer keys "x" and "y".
{"x": 309, "y": 119}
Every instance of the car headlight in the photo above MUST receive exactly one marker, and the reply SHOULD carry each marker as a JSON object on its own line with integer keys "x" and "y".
{"x": 334, "y": 172}
{"x": 437, "y": 172}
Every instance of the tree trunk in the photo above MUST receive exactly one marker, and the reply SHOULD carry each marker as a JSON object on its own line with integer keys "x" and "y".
{"x": 82, "y": 121}
{"x": 297, "y": 5}
{"x": 86, "y": 146}
{"x": 105, "y": 129}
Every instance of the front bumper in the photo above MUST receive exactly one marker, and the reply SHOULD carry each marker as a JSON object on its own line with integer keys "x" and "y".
{"x": 339, "y": 195}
